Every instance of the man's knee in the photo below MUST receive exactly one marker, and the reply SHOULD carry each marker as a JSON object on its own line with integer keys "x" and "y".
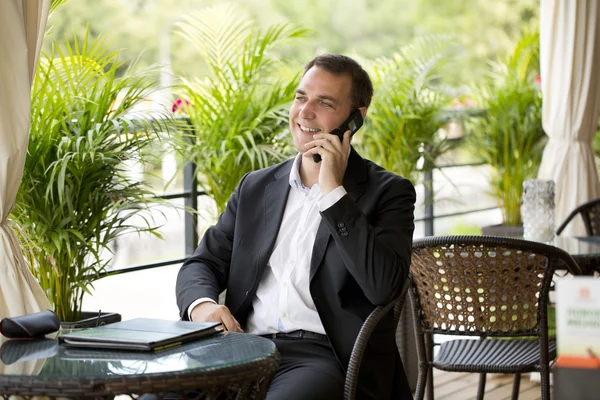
{"x": 307, "y": 383}
{"x": 308, "y": 370}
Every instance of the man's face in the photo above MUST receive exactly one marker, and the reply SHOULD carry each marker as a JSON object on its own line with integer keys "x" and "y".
{"x": 321, "y": 104}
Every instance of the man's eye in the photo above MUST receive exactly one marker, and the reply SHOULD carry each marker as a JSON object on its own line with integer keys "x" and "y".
{"x": 300, "y": 98}
{"x": 326, "y": 105}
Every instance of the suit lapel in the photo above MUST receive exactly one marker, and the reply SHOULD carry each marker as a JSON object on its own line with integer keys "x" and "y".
{"x": 354, "y": 178}
{"x": 276, "y": 194}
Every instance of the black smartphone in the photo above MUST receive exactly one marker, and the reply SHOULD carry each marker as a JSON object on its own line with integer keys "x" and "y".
{"x": 353, "y": 123}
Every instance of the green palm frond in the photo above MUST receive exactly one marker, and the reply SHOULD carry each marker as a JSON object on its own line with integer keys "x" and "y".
{"x": 405, "y": 114}
{"x": 76, "y": 196}
{"x": 54, "y": 4}
{"x": 217, "y": 33}
{"x": 240, "y": 109}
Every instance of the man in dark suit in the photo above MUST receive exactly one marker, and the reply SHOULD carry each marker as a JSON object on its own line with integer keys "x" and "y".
{"x": 307, "y": 250}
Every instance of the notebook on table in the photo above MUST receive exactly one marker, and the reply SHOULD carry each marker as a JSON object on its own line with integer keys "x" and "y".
{"x": 142, "y": 334}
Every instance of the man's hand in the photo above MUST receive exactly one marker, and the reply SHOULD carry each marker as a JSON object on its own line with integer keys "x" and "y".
{"x": 211, "y": 312}
{"x": 334, "y": 155}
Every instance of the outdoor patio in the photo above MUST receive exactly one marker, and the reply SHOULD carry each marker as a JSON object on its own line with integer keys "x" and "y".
{"x": 457, "y": 386}
{"x": 71, "y": 224}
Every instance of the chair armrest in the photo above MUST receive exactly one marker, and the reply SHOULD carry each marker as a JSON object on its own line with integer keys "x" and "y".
{"x": 362, "y": 340}
{"x": 567, "y": 221}
{"x": 584, "y": 210}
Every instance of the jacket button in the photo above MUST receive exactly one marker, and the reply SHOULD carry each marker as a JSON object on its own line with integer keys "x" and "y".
{"x": 344, "y": 233}
{"x": 343, "y": 229}
{"x": 247, "y": 291}
{"x": 341, "y": 225}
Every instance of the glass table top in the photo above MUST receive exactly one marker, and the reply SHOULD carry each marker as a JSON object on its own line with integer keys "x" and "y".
{"x": 45, "y": 358}
{"x": 588, "y": 246}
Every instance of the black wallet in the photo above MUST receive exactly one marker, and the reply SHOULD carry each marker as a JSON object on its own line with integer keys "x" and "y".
{"x": 30, "y": 326}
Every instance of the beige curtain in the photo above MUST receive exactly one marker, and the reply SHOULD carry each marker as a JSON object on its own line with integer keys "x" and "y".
{"x": 22, "y": 26}
{"x": 570, "y": 72}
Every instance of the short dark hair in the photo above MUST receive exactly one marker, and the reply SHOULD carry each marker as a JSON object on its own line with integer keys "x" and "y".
{"x": 337, "y": 64}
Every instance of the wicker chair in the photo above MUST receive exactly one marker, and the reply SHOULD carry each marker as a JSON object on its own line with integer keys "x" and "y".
{"x": 488, "y": 287}
{"x": 590, "y": 212}
{"x": 362, "y": 339}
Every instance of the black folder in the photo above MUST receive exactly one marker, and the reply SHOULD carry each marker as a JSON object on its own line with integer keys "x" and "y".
{"x": 143, "y": 334}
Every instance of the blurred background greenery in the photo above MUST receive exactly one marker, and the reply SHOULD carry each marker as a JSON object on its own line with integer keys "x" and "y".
{"x": 237, "y": 65}
{"x": 425, "y": 56}
{"x": 370, "y": 28}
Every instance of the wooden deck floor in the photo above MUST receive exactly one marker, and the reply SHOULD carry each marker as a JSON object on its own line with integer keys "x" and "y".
{"x": 462, "y": 386}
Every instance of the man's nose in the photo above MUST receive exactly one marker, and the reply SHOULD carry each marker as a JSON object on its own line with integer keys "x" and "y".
{"x": 307, "y": 110}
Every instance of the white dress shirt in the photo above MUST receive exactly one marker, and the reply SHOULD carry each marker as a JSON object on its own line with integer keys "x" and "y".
{"x": 282, "y": 302}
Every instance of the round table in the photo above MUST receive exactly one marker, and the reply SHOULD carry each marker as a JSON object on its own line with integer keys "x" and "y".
{"x": 584, "y": 250}
{"x": 228, "y": 365}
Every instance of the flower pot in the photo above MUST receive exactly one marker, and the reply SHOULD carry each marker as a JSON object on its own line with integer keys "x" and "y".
{"x": 92, "y": 319}
{"x": 502, "y": 230}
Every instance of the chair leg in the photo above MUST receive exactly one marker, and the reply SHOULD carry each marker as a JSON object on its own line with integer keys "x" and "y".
{"x": 481, "y": 387}
{"x": 424, "y": 368}
{"x": 429, "y": 351}
{"x": 421, "y": 381}
{"x": 545, "y": 382}
{"x": 516, "y": 386}
{"x": 430, "y": 384}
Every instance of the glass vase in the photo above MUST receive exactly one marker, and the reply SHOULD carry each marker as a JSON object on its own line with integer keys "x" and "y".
{"x": 537, "y": 210}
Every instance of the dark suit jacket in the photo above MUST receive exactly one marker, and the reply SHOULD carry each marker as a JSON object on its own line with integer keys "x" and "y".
{"x": 349, "y": 274}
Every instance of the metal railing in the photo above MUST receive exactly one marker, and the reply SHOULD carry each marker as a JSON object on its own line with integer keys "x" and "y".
{"x": 429, "y": 198}
{"x": 191, "y": 193}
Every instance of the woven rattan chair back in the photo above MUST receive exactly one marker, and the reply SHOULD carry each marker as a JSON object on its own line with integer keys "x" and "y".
{"x": 480, "y": 285}
{"x": 483, "y": 286}
{"x": 590, "y": 213}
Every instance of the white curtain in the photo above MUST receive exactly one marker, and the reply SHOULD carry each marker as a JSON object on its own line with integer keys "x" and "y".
{"x": 570, "y": 73}
{"x": 22, "y": 26}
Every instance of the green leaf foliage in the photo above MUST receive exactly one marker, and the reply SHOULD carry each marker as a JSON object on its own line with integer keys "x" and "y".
{"x": 510, "y": 137}
{"x": 239, "y": 111}
{"x": 54, "y": 4}
{"x": 76, "y": 196}
{"x": 407, "y": 108}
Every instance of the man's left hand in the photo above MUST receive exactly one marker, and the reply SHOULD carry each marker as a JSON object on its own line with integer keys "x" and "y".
{"x": 334, "y": 159}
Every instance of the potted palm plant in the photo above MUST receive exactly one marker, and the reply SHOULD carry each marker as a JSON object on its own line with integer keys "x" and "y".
{"x": 239, "y": 110}
{"x": 407, "y": 110}
{"x": 76, "y": 196}
{"x": 509, "y": 137}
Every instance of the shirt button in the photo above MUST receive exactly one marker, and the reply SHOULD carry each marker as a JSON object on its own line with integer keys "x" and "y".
{"x": 284, "y": 315}
{"x": 292, "y": 262}
{"x": 310, "y": 198}
{"x": 341, "y": 225}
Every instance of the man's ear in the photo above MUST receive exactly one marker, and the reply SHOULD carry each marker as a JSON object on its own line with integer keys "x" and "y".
{"x": 363, "y": 112}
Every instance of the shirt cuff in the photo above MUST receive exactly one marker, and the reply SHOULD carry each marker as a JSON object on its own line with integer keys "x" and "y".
{"x": 331, "y": 198}
{"x": 195, "y": 303}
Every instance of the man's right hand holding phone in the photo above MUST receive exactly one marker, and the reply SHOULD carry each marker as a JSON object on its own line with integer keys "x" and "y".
{"x": 335, "y": 158}
{"x": 352, "y": 123}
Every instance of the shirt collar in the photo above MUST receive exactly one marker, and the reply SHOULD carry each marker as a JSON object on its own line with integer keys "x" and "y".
{"x": 295, "y": 180}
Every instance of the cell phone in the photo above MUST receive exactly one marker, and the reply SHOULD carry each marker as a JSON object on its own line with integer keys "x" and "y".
{"x": 353, "y": 123}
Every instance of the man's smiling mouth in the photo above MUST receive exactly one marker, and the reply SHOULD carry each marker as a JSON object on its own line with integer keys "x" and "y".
{"x": 308, "y": 130}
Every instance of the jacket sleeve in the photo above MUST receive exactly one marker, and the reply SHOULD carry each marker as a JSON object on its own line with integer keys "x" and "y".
{"x": 376, "y": 250}
{"x": 205, "y": 273}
